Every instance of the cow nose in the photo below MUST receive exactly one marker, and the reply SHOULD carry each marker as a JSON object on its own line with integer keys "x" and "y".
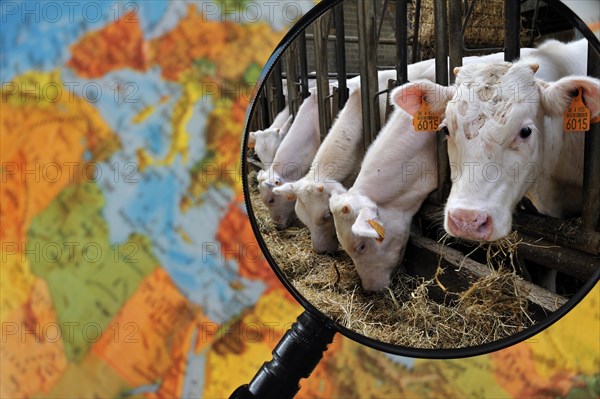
{"x": 470, "y": 224}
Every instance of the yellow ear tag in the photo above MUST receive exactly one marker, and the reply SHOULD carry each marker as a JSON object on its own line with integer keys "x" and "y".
{"x": 577, "y": 116}
{"x": 379, "y": 229}
{"x": 425, "y": 120}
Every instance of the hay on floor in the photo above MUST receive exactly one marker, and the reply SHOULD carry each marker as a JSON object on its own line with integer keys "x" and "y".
{"x": 404, "y": 314}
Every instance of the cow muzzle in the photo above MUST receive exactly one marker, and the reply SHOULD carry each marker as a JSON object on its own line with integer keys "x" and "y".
{"x": 470, "y": 224}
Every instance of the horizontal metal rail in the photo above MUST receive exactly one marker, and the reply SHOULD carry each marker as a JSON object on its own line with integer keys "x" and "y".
{"x": 354, "y": 39}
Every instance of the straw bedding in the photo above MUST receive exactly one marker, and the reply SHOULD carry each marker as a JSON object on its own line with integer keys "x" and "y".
{"x": 404, "y": 314}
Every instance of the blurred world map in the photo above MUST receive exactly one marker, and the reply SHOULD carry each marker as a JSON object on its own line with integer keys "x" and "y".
{"x": 129, "y": 267}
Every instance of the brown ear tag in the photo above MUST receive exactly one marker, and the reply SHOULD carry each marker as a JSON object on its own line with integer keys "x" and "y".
{"x": 577, "y": 116}
{"x": 379, "y": 229}
{"x": 425, "y": 120}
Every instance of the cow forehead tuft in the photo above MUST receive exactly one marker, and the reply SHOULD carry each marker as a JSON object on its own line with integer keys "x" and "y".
{"x": 487, "y": 96}
{"x": 482, "y": 74}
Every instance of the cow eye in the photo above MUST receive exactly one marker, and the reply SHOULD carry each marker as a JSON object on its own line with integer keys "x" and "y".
{"x": 525, "y": 132}
{"x": 326, "y": 217}
{"x": 271, "y": 200}
{"x": 361, "y": 247}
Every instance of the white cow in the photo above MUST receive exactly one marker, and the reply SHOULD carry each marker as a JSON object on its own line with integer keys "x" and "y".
{"x": 291, "y": 161}
{"x": 506, "y": 138}
{"x": 266, "y": 142}
{"x": 373, "y": 218}
{"x": 338, "y": 159}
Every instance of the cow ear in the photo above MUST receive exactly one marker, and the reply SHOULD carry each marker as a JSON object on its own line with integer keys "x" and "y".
{"x": 557, "y": 96}
{"x": 284, "y": 189}
{"x": 251, "y": 140}
{"x": 367, "y": 224}
{"x": 410, "y": 96}
{"x": 261, "y": 176}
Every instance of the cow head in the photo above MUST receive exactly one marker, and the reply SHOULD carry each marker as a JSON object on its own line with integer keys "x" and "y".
{"x": 498, "y": 119}
{"x": 280, "y": 206}
{"x": 265, "y": 142}
{"x": 312, "y": 208}
{"x": 374, "y": 237}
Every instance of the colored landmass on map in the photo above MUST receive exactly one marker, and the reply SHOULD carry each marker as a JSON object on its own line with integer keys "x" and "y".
{"x": 129, "y": 267}
{"x": 101, "y": 277}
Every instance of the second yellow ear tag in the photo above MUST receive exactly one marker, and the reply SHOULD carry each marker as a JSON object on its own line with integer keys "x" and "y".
{"x": 425, "y": 120}
{"x": 378, "y": 228}
{"x": 577, "y": 116}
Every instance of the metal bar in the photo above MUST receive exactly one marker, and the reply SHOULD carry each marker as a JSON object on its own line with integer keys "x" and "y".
{"x": 355, "y": 39}
{"x": 385, "y": 5}
{"x": 423, "y": 256}
{"x": 303, "y": 65}
{"x": 321, "y": 29}
{"x": 565, "y": 260}
{"x": 487, "y": 50}
{"x": 441, "y": 77}
{"x": 591, "y": 167}
{"x": 389, "y": 109}
{"x": 278, "y": 83}
{"x": 512, "y": 30}
{"x": 548, "y": 241}
{"x": 401, "y": 41}
{"x": 367, "y": 50}
{"x": 340, "y": 53}
{"x": 467, "y": 18}
{"x": 534, "y": 23}
{"x": 335, "y": 102}
{"x": 456, "y": 43}
{"x": 291, "y": 68}
{"x": 559, "y": 231}
{"x": 333, "y": 75}
{"x": 416, "y": 25}
{"x": 264, "y": 107}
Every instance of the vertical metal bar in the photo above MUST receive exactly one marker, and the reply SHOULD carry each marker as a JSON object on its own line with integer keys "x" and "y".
{"x": 416, "y": 25}
{"x": 269, "y": 100}
{"x": 264, "y": 107}
{"x": 340, "y": 53}
{"x": 380, "y": 25}
{"x": 590, "y": 214}
{"x": 441, "y": 41}
{"x": 277, "y": 77}
{"x": 321, "y": 35}
{"x": 512, "y": 29}
{"x": 401, "y": 41}
{"x": 335, "y": 103}
{"x": 367, "y": 51}
{"x": 291, "y": 71}
{"x": 534, "y": 23}
{"x": 303, "y": 65}
{"x": 253, "y": 123}
{"x": 456, "y": 39}
{"x": 441, "y": 77}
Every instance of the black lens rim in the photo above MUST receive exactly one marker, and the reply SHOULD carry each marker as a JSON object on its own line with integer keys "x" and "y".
{"x": 454, "y": 353}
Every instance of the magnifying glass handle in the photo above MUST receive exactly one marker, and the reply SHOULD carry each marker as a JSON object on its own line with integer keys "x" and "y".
{"x": 294, "y": 358}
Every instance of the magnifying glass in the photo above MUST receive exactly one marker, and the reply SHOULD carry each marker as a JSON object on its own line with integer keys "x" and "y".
{"x": 419, "y": 212}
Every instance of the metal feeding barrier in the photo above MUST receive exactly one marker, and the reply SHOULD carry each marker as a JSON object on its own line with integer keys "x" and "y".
{"x": 574, "y": 251}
